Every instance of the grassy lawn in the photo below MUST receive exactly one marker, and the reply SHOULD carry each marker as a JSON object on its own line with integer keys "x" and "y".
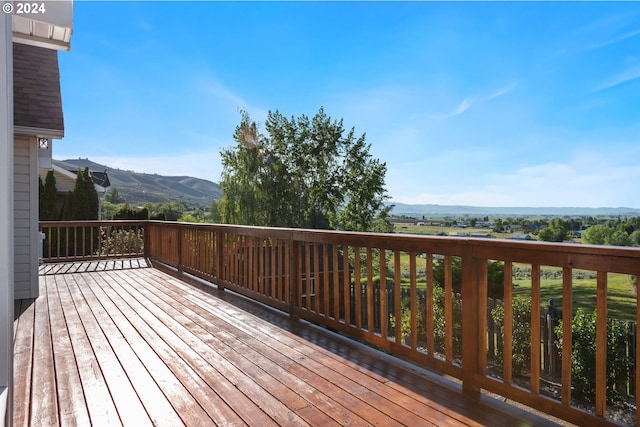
{"x": 433, "y": 230}
{"x": 621, "y": 301}
{"x": 620, "y": 293}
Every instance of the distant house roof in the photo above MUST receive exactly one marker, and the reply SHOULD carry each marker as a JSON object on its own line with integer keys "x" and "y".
{"x": 101, "y": 179}
{"x": 519, "y": 236}
{"x": 37, "y": 103}
{"x": 66, "y": 180}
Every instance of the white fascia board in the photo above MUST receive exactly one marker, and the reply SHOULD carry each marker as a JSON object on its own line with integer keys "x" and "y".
{"x": 49, "y": 25}
{"x": 39, "y": 132}
{"x": 41, "y": 42}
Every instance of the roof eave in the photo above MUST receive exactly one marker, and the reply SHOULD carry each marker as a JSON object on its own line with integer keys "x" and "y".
{"x": 39, "y": 132}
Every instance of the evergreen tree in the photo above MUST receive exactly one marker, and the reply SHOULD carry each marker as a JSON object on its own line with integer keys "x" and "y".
{"x": 113, "y": 196}
{"x": 40, "y": 199}
{"x": 82, "y": 203}
{"x": 48, "y": 191}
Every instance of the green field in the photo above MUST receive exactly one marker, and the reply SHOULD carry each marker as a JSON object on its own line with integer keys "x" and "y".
{"x": 621, "y": 298}
{"x": 434, "y": 230}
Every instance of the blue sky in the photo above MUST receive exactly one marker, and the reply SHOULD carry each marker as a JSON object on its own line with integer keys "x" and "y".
{"x": 487, "y": 104}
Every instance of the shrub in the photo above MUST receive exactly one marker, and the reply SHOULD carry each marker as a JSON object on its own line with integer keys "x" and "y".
{"x": 495, "y": 276}
{"x": 439, "y": 324}
{"x": 583, "y": 355}
{"x": 521, "y": 339}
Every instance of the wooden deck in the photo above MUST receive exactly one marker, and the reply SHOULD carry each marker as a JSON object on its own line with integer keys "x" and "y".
{"x": 127, "y": 344}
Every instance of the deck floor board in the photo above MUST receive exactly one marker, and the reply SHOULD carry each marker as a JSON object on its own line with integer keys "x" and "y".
{"x": 122, "y": 343}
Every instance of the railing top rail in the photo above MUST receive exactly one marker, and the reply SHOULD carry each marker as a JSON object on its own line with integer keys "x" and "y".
{"x": 91, "y": 223}
{"x": 571, "y": 255}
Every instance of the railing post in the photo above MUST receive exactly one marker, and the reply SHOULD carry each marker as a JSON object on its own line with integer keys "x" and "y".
{"x": 219, "y": 258}
{"x": 470, "y": 320}
{"x": 146, "y": 239}
{"x": 179, "y": 247}
{"x": 294, "y": 277}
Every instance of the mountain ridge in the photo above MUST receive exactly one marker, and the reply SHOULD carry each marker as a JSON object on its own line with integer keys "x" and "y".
{"x": 139, "y": 187}
{"x": 434, "y": 209}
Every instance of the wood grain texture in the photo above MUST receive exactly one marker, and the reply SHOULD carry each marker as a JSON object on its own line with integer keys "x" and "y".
{"x": 143, "y": 347}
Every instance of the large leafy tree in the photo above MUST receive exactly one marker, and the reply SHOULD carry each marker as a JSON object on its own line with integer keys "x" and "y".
{"x": 556, "y": 231}
{"x": 302, "y": 172}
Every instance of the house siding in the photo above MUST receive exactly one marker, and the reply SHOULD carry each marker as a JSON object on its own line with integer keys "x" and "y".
{"x": 26, "y": 242}
{"x": 6, "y": 220}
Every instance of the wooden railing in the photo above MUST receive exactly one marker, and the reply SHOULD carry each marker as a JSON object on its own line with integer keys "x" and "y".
{"x": 370, "y": 286}
{"x": 81, "y": 240}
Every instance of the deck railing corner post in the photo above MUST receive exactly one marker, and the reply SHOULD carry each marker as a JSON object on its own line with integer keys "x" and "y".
{"x": 470, "y": 321}
{"x": 146, "y": 239}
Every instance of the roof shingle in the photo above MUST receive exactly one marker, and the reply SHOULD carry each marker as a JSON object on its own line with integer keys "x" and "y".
{"x": 37, "y": 102}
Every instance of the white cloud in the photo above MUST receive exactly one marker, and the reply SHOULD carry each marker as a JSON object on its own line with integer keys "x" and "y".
{"x": 502, "y": 91}
{"x": 462, "y": 107}
{"x": 614, "y": 40}
{"x": 587, "y": 180}
{"x": 220, "y": 92}
{"x": 626, "y": 76}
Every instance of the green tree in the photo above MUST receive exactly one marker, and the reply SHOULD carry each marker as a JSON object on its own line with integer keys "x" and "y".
{"x": 187, "y": 217}
{"x": 48, "y": 191}
{"x": 597, "y": 234}
{"x": 126, "y": 212}
{"x": 214, "y": 213}
{"x": 169, "y": 211}
{"x": 112, "y": 196}
{"x": 82, "y": 203}
{"x": 619, "y": 238}
{"x": 556, "y": 231}
{"x": 303, "y": 172}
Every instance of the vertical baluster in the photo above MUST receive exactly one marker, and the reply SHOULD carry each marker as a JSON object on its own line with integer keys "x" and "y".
{"x": 413, "y": 301}
{"x": 567, "y": 336}
{"x": 346, "y": 285}
{"x": 384, "y": 317}
{"x": 313, "y": 291}
{"x": 535, "y": 329}
{"x": 397, "y": 297}
{"x": 429, "y": 305}
{"x": 482, "y": 271}
{"x": 601, "y": 344}
{"x": 448, "y": 309}
{"x": 336, "y": 282}
{"x": 325, "y": 278}
{"x": 507, "y": 344}
{"x": 307, "y": 275}
{"x": 357, "y": 293}
{"x": 370, "y": 309}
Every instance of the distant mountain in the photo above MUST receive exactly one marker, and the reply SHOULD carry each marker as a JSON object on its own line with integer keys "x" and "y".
{"x": 137, "y": 188}
{"x": 443, "y": 210}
